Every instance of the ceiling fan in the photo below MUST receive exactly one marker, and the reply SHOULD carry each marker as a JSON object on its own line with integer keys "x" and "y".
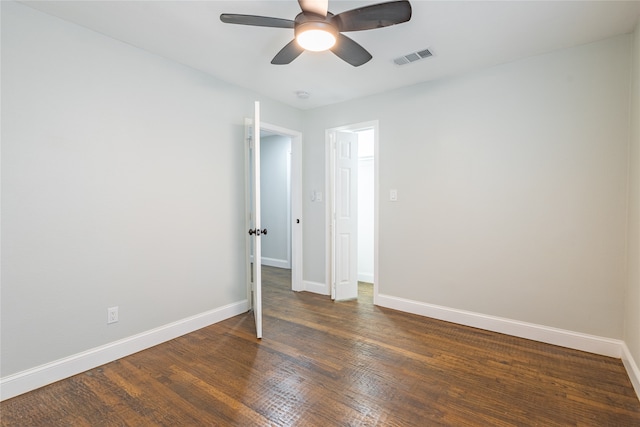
{"x": 317, "y": 29}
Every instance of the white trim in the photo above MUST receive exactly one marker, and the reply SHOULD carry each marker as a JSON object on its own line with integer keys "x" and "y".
{"x": 31, "y": 379}
{"x": 632, "y": 368}
{"x": 316, "y": 287}
{"x": 376, "y": 208}
{"x": 329, "y": 157}
{"x": 575, "y": 340}
{"x": 561, "y": 337}
{"x": 289, "y": 223}
{"x": 296, "y": 212}
{"x": 273, "y": 262}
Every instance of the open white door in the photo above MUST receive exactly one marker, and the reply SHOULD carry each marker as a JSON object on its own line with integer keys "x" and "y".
{"x": 345, "y": 216}
{"x": 253, "y": 251}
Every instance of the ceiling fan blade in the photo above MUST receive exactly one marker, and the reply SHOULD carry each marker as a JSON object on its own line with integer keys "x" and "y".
{"x": 288, "y": 53}
{"x": 259, "y": 21}
{"x": 319, "y": 7}
{"x": 374, "y": 16}
{"x": 350, "y": 51}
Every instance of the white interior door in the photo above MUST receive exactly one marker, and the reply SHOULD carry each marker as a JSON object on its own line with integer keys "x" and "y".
{"x": 345, "y": 202}
{"x": 255, "y": 232}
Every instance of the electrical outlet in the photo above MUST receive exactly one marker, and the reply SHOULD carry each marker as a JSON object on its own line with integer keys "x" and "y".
{"x": 112, "y": 315}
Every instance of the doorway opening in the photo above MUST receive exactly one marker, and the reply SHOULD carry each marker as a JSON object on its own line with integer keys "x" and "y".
{"x": 281, "y": 200}
{"x": 275, "y": 205}
{"x": 352, "y": 206}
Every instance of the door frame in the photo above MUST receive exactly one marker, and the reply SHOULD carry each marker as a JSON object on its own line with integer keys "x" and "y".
{"x": 330, "y": 198}
{"x": 295, "y": 200}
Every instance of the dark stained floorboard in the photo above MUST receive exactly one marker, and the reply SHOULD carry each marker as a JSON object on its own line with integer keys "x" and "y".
{"x": 322, "y": 363}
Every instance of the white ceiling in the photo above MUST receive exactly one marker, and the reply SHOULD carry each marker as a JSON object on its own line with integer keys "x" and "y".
{"x": 464, "y": 35}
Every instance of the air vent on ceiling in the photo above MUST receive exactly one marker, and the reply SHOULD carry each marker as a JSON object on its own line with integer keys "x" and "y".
{"x": 413, "y": 57}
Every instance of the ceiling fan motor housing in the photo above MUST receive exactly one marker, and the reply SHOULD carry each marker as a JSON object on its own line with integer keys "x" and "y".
{"x": 311, "y": 21}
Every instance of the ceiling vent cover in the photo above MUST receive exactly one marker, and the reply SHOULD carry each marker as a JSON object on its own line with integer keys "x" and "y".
{"x": 413, "y": 57}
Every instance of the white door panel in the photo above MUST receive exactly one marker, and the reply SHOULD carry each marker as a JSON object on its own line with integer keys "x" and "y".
{"x": 254, "y": 231}
{"x": 346, "y": 216}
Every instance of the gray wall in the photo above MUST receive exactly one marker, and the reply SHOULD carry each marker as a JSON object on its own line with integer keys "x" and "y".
{"x": 122, "y": 184}
{"x": 512, "y": 188}
{"x": 275, "y": 205}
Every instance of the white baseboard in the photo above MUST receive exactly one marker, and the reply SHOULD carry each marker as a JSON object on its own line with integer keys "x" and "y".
{"x": 48, "y": 373}
{"x": 316, "y": 287}
{"x": 576, "y": 340}
{"x": 272, "y": 262}
{"x": 368, "y": 278}
{"x": 31, "y": 379}
{"x": 632, "y": 368}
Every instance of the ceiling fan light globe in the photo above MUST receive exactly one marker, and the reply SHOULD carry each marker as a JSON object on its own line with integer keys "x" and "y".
{"x": 316, "y": 40}
{"x": 315, "y": 34}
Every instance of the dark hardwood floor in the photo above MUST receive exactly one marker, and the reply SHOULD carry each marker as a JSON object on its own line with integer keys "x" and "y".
{"x": 322, "y": 363}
